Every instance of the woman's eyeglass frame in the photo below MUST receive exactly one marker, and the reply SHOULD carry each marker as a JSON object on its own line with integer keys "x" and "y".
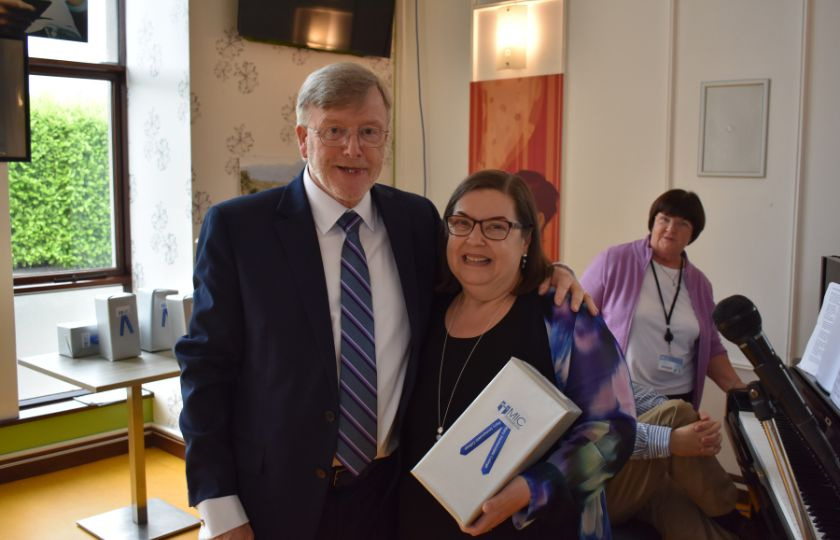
{"x": 497, "y": 234}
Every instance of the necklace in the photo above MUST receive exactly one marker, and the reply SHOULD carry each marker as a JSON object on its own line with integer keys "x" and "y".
{"x": 442, "y": 421}
{"x": 669, "y": 337}
{"x": 671, "y": 276}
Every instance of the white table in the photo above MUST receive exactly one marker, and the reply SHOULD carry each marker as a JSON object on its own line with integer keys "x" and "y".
{"x": 143, "y": 520}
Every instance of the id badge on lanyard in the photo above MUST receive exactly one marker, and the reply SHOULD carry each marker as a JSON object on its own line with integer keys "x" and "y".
{"x": 671, "y": 364}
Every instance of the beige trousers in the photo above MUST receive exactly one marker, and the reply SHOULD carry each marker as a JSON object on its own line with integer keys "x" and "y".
{"x": 674, "y": 494}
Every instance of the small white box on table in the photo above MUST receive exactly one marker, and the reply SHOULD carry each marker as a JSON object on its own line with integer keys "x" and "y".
{"x": 116, "y": 318}
{"x": 180, "y": 312}
{"x": 76, "y": 339}
{"x": 155, "y": 322}
{"x": 512, "y": 423}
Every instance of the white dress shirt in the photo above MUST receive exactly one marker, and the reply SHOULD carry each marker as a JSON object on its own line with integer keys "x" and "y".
{"x": 390, "y": 320}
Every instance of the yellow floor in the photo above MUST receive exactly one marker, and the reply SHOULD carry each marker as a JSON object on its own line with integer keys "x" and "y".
{"x": 48, "y": 506}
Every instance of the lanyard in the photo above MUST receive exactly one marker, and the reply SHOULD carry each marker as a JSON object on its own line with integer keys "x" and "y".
{"x": 669, "y": 337}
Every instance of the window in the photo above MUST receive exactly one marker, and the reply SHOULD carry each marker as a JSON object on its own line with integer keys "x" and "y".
{"x": 69, "y": 205}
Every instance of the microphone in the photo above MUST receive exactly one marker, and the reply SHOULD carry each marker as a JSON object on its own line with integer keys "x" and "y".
{"x": 738, "y": 320}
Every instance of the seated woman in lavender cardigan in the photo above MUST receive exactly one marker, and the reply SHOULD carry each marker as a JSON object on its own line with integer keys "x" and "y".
{"x": 659, "y": 307}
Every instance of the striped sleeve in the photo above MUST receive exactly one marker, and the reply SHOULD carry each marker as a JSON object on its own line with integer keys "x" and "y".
{"x": 652, "y": 441}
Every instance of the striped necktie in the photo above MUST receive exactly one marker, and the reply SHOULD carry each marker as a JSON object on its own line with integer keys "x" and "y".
{"x": 357, "y": 379}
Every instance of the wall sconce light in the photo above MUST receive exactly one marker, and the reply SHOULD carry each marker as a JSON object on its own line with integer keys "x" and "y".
{"x": 511, "y": 36}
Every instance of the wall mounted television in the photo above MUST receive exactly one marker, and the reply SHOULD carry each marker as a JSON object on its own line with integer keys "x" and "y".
{"x": 353, "y": 26}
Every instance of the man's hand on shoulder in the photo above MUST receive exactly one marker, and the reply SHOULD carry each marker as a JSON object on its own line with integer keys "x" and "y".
{"x": 15, "y": 16}
{"x": 243, "y": 532}
{"x": 564, "y": 282}
{"x": 700, "y": 438}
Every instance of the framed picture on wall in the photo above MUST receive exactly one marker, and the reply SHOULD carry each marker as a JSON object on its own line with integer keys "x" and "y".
{"x": 14, "y": 100}
{"x": 733, "y": 128}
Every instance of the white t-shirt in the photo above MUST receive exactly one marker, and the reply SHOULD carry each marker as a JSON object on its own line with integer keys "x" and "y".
{"x": 646, "y": 345}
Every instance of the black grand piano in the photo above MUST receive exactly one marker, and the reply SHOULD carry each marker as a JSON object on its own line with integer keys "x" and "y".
{"x": 809, "y": 506}
{"x": 819, "y": 495}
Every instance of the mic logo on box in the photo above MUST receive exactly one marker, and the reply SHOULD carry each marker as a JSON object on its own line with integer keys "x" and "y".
{"x": 512, "y": 415}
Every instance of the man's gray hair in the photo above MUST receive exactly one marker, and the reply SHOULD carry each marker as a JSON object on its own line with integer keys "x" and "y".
{"x": 338, "y": 85}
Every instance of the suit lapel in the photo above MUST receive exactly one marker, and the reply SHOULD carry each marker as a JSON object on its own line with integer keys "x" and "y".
{"x": 296, "y": 231}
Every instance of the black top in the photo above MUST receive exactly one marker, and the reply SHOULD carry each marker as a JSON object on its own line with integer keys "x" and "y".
{"x": 521, "y": 333}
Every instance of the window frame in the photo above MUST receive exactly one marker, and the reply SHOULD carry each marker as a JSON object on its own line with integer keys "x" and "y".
{"x": 120, "y": 273}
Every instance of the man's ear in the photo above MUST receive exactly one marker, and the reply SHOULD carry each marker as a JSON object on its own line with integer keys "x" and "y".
{"x": 301, "y": 132}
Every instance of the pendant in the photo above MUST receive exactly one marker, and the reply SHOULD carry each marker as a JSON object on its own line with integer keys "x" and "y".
{"x": 669, "y": 337}
{"x": 439, "y": 433}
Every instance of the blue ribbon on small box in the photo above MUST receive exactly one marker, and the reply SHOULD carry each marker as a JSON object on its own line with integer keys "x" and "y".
{"x": 125, "y": 322}
{"x": 482, "y": 436}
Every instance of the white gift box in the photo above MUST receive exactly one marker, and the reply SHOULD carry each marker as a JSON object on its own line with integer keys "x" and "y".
{"x": 77, "y": 339}
{"x": 512, "y": 423}
{"x": 116, "y": 319}
{"x": 155, "y": 331}
{"x": 180, "y": 312}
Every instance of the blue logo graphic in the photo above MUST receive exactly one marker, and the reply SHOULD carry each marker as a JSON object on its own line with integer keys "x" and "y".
{"x": 475, "y": 442}
{"x": 513, "y": 416}
{"x": 125, "y": 322}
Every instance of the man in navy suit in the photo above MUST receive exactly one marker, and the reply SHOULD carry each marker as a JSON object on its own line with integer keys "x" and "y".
{"x": 259, "y": 367}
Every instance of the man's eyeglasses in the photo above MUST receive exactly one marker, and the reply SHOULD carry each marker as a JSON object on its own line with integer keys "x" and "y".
{"x": 368, "y": 136}
{"x": 492, "y": 229}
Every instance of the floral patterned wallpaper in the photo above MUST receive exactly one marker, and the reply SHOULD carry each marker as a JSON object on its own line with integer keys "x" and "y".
{"x": 160, "y": 179}
{"x": 203, "y": 102}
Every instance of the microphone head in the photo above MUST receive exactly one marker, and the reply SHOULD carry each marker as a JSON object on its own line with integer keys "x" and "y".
{"x": 737, "y": 319}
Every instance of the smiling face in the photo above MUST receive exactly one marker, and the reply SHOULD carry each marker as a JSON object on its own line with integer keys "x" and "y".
{"x": 486, "y": 268}
{"x": 348, "y": 171}
{"x": 668, "y": 238}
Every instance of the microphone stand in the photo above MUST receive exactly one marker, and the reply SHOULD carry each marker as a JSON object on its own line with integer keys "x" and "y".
{"x": 765, "y": 411}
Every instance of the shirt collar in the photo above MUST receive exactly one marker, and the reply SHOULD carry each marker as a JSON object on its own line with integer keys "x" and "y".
{"x": 326, "y": 211}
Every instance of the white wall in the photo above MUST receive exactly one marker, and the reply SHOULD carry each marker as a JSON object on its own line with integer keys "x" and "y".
{"x": 8, "y": 359}
{"x": 445, "y": 67}
{"x": 750, "y": 220}
{"x": 818, "y": 231}
{"x": 615, "y": 122}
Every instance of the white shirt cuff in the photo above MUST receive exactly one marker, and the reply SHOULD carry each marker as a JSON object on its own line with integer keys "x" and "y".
{"x": 220, "y": 515}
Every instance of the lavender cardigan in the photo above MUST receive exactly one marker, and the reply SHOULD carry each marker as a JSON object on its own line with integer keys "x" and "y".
{"x": 614, "y": 279}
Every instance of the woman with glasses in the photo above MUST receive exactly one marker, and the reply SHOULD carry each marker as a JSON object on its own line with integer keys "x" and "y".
{"x": 659, "y": 307}
{"x": 488, "y": 311}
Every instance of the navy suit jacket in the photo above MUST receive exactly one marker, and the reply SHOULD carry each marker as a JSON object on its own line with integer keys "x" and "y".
{"x": 258, "y": 367}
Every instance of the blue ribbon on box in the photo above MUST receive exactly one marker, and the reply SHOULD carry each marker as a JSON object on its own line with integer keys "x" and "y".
{"x": 482, "y": 436}
{"x": 125, "y": 322}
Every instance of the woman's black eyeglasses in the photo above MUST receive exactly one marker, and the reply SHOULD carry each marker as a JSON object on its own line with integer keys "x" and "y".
{"x": 492, "y": 229}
